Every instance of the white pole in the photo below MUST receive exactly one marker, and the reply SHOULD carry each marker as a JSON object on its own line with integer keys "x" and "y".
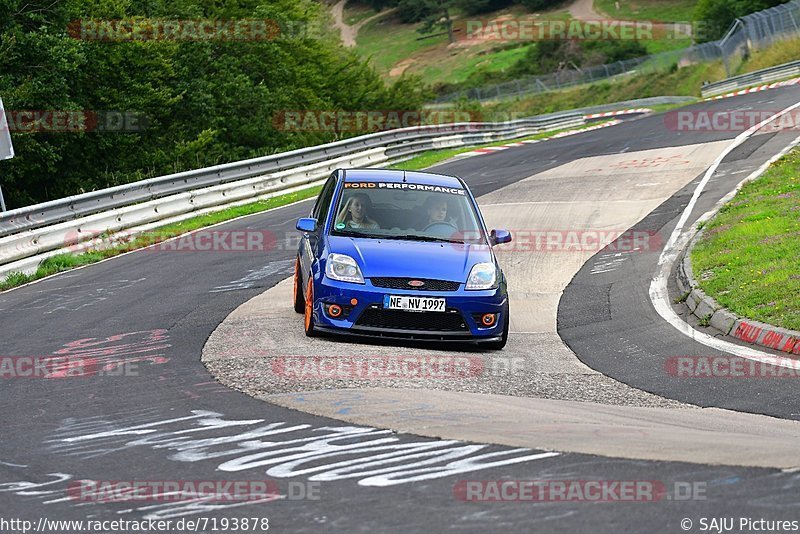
{"x": 6, "y": 148}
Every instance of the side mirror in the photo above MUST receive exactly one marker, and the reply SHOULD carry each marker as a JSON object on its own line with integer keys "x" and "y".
{"x": 498, "y": 237}
{"x": 306, "y": 224}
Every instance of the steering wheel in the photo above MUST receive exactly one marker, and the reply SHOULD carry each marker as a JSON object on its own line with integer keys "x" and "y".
{"x": 440, "y": 227}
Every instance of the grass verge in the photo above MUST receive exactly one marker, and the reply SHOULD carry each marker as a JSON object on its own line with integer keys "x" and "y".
{"x": 747, "y": 258}
{"x": 64, "y": 262}
{"x": 783, "y": 52}
{"x": 647, "y": 10}
{"x": 685, "y": 81}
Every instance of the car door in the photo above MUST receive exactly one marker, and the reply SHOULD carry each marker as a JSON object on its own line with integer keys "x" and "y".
{"x": 312, "y": 243}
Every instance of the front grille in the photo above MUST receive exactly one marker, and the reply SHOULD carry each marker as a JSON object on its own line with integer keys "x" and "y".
{"x": 448, "y": 321}
{"x": 402, "y": 283}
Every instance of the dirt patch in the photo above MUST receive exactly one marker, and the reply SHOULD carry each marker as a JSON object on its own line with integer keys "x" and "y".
{"x": 716, "y": 230}
{"x": 349, "y": 33}
{"x": 776, "y": 238}
{"x": 401, "y": 67}
{"x": 584, "y": 10}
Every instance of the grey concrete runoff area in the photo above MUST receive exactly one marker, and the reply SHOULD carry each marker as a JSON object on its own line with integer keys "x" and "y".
{"x": 537, "y": 393}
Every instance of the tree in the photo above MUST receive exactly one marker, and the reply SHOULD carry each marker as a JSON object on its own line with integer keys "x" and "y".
{"x": 206, "y": 101}
{"x": 434, "y": 15}
{"x": 716, "y": 16}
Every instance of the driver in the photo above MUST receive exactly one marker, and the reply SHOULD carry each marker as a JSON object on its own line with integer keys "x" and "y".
{"x": 436, "y": 208}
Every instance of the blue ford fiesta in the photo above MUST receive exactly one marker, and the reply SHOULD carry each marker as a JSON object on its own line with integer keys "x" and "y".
{"x": 400, "y": 255}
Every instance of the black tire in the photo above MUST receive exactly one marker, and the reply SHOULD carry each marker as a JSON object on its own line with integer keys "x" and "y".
{"x": 299, "y": 300}
{"x": 498, "y": 345}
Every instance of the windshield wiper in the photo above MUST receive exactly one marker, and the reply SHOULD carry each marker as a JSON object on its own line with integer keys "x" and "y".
{"x": 415, "y": 237}
{"x": 406, "y": 237}
{"x": 349, "y": 233}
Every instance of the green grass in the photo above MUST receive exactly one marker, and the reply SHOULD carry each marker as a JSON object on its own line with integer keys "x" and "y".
{"x": 387, "y": 42}
{"x": 656, "y": 10}
{"x": 457, "y": 71}
{"x": 682, "y": 82}
{"x": 393, "y": 46}
{"x": 355, "y": 12}
{"x": 64, "y": 262}
{"x": 783, "y": 52}
{"x": 747, "y": 258}
{"x": 430, "y": 158}
{"x": 657, "y": 46}
{"x": 705, "y": 321}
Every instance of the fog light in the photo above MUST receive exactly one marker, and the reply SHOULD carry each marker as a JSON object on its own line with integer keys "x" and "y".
{"x": 334, "y": 310}
{"x": 488, "y": 319}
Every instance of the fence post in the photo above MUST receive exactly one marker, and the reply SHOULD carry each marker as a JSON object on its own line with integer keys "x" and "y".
{"x": 725, "y": 61}
{"x": 794, "y": 22}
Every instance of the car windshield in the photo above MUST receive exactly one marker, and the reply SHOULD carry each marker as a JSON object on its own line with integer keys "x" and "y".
{"x": 418, "y": 212}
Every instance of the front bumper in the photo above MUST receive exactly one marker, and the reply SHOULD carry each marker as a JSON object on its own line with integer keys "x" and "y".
{"x": 364, "y": 317}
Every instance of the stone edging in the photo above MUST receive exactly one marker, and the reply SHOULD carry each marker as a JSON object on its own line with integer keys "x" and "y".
{"x": 725, "y": 322}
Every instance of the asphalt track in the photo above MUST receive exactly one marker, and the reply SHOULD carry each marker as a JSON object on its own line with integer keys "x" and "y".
{"x": 156, "y": 421}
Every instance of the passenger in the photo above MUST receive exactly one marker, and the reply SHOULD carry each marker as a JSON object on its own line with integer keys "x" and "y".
{"x": 355, "y": 213}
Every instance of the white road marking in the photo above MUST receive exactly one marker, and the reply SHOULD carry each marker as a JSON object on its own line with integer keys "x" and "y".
{"x": 678, "y": 239}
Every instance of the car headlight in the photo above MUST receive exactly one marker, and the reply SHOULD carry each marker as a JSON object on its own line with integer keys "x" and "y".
{"x": 343, "y": 268}
{"x": 482, "y": 276}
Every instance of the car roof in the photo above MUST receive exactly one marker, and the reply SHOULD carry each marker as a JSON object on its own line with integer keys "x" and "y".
{"x": 396, "y": 176}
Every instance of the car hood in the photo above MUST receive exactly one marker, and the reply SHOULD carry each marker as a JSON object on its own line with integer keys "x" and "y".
{"x": 411, "y": 259}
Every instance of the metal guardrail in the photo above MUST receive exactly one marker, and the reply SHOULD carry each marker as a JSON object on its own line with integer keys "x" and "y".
{"x": 638, "y": 103}
{"x": 771, "y": 74}
{"x": 35, "y": 232}
{"x": 56, "y": 211}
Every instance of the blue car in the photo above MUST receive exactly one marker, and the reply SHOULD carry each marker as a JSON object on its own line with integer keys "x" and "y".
{"x": 400, "y": 255}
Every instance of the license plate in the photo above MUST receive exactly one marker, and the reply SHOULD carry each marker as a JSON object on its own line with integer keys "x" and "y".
{"x": 418, "y": 304}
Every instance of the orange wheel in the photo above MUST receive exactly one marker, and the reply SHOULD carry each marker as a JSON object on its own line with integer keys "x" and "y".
{"x": 309, "y": 308}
